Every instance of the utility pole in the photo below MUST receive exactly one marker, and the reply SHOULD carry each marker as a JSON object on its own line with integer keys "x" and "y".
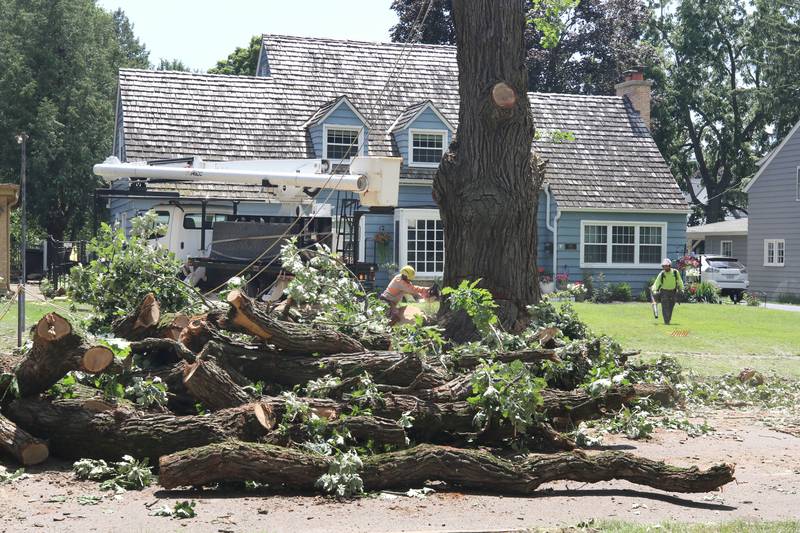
{"x": 22, "y": 139}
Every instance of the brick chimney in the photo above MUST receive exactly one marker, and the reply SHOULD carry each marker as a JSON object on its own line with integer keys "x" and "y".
{"x": 637, "y": 89}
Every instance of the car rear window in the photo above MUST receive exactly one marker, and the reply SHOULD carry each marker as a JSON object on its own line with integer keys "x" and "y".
{"x": 725, "y": 263}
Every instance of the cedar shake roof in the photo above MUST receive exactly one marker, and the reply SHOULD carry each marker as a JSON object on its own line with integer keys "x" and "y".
{"x": 613, "y": 162}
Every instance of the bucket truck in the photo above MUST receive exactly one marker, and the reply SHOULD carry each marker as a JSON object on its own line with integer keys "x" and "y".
{"x": 229, "y": 239}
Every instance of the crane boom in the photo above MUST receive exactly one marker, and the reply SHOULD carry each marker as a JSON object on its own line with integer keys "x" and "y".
{"x": 375, "y": 179}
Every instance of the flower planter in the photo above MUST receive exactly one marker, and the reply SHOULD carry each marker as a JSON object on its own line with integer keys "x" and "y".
{"x": 547, "y": 287}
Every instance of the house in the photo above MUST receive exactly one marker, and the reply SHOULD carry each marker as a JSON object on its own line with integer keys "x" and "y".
{"x": 773, "y": 241}
{"x": 9, "y": 194}
{"x": 728, "y": 238}
{"x": 610, "y": 204}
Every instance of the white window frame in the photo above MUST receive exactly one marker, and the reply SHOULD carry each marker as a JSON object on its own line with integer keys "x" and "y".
{"x": 778, "y": 243}
{"x": 722, "y": 248}
{"x": 402, "y": 216}
{"x": 609, "y": 243}
{"x": 797, "y": 186}
{"x": 359, "y": 148}
{"x": 411, "y": 131}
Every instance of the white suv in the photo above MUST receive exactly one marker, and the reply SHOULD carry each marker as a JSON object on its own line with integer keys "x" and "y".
{"x": 726, "y": 273}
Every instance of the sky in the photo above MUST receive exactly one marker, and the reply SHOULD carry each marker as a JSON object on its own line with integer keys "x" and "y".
{"x": 201, "y": 32}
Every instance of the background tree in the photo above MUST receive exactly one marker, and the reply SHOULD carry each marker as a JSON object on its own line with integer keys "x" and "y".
{"x": 172, "y": 64}
{"x": 714, "y": 104}
{"x": 574, "y": 46}
{"x": 242, "y": 62}
{"x": 58, "y": 76}
{"x": 487, "y": 185}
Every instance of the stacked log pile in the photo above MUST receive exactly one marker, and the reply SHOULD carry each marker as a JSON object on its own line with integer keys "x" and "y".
{"x": 217, "y": 426}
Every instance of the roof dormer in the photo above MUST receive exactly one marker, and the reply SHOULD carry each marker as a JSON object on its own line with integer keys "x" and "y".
{"x": 422, "y": 134}
{"x": 338, "y": 130}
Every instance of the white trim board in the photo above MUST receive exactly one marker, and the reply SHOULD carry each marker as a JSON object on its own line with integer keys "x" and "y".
{"x": 609, "y": 243}
{"x": 334, "y": 107}
{"x": 621, "y": 210}
{"x": 771, "y": 156}
{"x": 428, "y": 105}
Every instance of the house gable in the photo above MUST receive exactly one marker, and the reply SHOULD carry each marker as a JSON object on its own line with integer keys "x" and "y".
{"x": 337, "y": 117}
{"x": 432, "y": 131}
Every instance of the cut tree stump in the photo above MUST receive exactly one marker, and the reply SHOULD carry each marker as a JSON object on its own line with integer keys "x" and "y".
{"x": 57, "y": 349}
{"x": 160, "y": 351}
{"x": 147, "y": 321}
{"x": 25, "y": 448}
{"x": 212, "y": 386}
{"x": 288, "y": 336}
{"x": 74, "y": 429}
{"x": 294, "y": 470}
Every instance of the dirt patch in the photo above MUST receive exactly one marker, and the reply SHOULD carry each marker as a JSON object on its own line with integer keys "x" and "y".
{"x": 766, "y": 488}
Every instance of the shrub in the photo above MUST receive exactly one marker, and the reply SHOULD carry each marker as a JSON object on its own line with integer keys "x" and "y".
{"x": 706, "y": 292}
{"x": 788, "y": 298}
{"x": 752, "y": 299}
{"x": 588, "y": 283}
{"x": 621, "y": 292}
{"x": 125, "y": 270}
{"x": 601, "y": 293}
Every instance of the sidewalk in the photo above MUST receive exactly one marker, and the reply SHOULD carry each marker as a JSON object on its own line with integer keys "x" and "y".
{"x": 784, "y": 307}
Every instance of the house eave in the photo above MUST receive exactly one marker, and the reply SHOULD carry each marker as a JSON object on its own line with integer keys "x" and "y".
{"x": 771, "y": 156}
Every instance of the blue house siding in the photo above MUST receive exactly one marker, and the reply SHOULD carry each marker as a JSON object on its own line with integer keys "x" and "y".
{"x": 341, "y": 116}
{"x": 427, "y": 120}
{"x": 569, "y": 233}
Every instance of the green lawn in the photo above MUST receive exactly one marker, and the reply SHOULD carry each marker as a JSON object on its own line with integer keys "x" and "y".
{"x": 719, "y": 338}
{"x": 34, "y": 310}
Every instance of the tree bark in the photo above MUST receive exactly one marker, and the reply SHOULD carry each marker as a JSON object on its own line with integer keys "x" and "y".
{"x": 294, "y": 470}
{"x": 212, "y": 386}
{"x": 261, "y": 364}
{"x": 19, "y": 444}
{"x": 73, "y": 430}
{"x": 57, "y": 349}
{"x": 147, "y": 321}
{"x": 295, "y": 338}
{"x": 487, "y": 185}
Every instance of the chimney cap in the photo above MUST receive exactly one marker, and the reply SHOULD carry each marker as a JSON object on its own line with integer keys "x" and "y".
{"x": 635, "y": 73}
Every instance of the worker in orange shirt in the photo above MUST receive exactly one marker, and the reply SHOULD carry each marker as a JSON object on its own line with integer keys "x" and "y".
{"x": 398, "y": 288}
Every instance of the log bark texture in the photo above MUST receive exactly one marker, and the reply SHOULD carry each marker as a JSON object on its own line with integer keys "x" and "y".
{"x": 487, "y": 185}
{"x": 212, "y": 386}
{"x": 56, "y": 350}
{"x": 467, "y": 469}
{"x": 21, "y": 445}
{"x": 147, "y": 321}
{"x": 246, "y": 315}
{"x": 74, "y": 431}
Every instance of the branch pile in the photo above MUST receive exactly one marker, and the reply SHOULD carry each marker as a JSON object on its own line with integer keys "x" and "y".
{"x": 244, "y": 393}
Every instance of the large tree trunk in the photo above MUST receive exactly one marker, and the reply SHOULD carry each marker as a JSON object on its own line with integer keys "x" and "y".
{"x": 487, "y": 185}
{"x": 75, "y": 430}
{"x": 147, "y": 321}
{"x": 19, "y": 444}
{"x": 468, "y": 469}
{"x": 57, "y": 349}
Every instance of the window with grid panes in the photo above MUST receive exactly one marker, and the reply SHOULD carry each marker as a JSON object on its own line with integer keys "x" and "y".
{"x": 650, "y": 244}
{"x": 623, "y": 244}
{"x": 425, "y": 245}
{"x": 427, "y": 148}
{"x": 595, "y": 248}
{"x": 341, "y": 143}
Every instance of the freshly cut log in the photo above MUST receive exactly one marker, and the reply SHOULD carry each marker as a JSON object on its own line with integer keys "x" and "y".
{"x": 380, "y": 432}
{"x": 74, "y": 430}
{"x": 57, "y": 349}
{"x": 262, "y": 364}
{"x": 25, "y": 448}
{"x": 212, "y": 386}
{"x": 288, "y": 336}
{"x": 294, "y": 470}
{"x": 147, "y": 321}
{"x": 179, "y": 401}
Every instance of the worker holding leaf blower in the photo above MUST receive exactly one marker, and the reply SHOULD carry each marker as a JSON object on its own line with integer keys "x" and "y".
{"x": 399, "y": 287}
{"x": 668, "y": 286}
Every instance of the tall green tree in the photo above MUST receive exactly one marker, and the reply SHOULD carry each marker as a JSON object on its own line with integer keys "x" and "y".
{"x": 172, "y": 64}
{"x": 573, "y": 46}
{"x": 242, "y": 62}
{"x": 718, "y": 100}
{"x": 58, "y": 78}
